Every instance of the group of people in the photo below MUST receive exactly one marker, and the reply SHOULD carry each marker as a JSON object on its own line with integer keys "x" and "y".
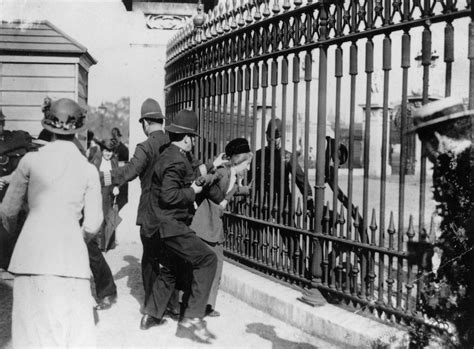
{"x": 56, "y": 248}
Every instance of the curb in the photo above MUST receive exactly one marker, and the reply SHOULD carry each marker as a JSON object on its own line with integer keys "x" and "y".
{"x": 327, "y": 321}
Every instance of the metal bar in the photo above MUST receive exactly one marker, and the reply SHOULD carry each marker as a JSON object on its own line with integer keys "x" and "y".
{"x": 387, "y": 66}
{"x": 232, "y": 105}
{"x": 448, "y": 55}
{"x": 353, "y": 73}
{"x": 247, "y": 101}
{"x": 255, "y": 85}
{"x": 225, "y": 110}
{"x": 292, "y": 194}
{"x": 240, "y": 79}
{"x": 308, "y": 77}
{"x": 217, "y": 141}
{"x": 284, "y": 82}
{"x": 274, "y": 83}
{"x": 369, "y": 68}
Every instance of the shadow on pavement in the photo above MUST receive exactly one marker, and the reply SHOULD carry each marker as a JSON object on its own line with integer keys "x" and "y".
{"x": 268, "y": 332}
{"x": 6, "y": 301}
{"x": 134, "y": 273}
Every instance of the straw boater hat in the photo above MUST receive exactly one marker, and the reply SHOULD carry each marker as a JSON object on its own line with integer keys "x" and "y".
{"x": 151, "y": 110}
{"x": 186, "y": 121}
{"x": 63, "y": 116}
{"x": 438, "y": 112}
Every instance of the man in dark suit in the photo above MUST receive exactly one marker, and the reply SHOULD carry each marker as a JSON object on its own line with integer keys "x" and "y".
{"x": 141, "y": 165}
{"x": 274, "y": 132}
{"x": 173, "y": 193}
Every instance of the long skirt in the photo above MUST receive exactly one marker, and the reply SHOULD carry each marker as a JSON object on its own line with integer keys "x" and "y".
{"x": 52, "y": 311}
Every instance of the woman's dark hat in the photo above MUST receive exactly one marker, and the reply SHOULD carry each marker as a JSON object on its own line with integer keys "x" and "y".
{"x": 186, "y": 121}
{"x": 63, "y": 116}
{"x": 438, "y": 112}
{"x": 107, "y": 144}
{"x": 151, "y": 110}
{"x": 278, "y": 127}
{"x": 237, "y": 146}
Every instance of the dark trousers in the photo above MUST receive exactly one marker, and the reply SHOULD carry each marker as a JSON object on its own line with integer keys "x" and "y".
{"x": 203, "y": 261}
{"x": 103, "y": 279}
{"x": 150, "y": 271}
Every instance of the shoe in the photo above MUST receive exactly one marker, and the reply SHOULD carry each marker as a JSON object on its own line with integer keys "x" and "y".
{"x": 194, "y": 329}
{"x": 172, "y": 314}
{"x": 106, "y": 302}
{"x": 211, "y": 312}
{"x": 149, "y": 321}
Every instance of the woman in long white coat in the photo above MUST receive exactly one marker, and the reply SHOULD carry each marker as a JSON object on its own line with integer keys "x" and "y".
{"x": 52, "y": 301}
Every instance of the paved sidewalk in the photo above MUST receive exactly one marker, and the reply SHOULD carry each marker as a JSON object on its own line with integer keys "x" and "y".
{"x": 239, "y": 326}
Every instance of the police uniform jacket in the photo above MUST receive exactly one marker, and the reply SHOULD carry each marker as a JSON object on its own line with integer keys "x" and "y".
{"x": 141, "y": 165}
{"x": 61, "y": 187}
{"x": 287, "y": 158}
{"x": 171, "y": 205}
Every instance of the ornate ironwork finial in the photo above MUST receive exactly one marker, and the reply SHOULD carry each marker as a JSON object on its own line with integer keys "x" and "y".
{"x": 199, "y": 19}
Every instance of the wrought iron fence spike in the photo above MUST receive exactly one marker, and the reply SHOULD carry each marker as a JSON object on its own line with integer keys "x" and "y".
{"x": 373, "y": 223}
{"x": 411, "y": 230}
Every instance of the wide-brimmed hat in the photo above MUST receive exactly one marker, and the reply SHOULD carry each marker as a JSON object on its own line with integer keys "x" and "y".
{"x": 63, "y": 116}
{"x": 278, "y": 128}
{"x": 237, "y": 146}
{"x": 186, "y": 121}
{"x": 107, "y": 144}
{"x": 151, "y": 110}
{"x": 438, "y": 112}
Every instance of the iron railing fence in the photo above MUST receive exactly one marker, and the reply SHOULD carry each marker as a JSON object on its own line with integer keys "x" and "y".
{"x": 322, "y": 67}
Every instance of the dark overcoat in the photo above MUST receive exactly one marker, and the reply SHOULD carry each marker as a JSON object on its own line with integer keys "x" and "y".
{"x": 141, "y": 165}
{"x": 171, "y": 205}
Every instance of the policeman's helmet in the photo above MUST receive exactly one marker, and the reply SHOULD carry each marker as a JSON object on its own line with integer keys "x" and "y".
{"x": 277, "y": 124}
{"x": 186, "y": 121}
{"x": 63, "y": 116}
{"x": 151, "y": 110}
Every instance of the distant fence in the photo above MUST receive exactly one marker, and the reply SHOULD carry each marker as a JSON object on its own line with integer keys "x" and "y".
{"x": 318, "y": 66}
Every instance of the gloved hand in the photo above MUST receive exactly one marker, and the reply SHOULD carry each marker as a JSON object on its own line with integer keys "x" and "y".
{"x": 115, "y": 191}
{"x": 196, "y": 187}
{"x": 219, "y": 160}
{"x": 205, "y": 180}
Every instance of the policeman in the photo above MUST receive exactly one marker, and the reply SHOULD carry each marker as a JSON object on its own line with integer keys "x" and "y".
{"x": 287, "y": 157}
{"x": 141, "y": 165}
{"x": 173, "y": 193}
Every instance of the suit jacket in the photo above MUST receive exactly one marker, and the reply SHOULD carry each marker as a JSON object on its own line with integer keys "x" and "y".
{"x": 60, "y": 187}
{"x": 171, "y": 205}
{"x": 141, "y": 165}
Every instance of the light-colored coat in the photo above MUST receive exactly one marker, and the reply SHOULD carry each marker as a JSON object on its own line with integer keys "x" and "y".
{"x": 59, "y": 185}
